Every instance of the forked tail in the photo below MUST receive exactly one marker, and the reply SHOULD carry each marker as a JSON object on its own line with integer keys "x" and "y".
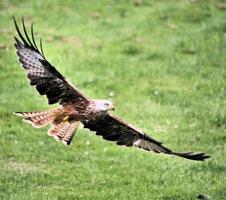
{"x": 62, "y": 128}
{"x": 38, "y": 119}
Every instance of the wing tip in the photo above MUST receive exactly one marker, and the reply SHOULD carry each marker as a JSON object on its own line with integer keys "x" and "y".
{"x": 193, "y": 156}
{"x": 26, "y": 41}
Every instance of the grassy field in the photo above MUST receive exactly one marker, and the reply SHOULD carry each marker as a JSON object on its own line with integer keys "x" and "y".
{"x": 163, "y": 65}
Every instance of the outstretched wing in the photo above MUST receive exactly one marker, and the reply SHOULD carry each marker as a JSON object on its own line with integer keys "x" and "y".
{"x": 114, "y": 129}
{"x": 42, "y": 74}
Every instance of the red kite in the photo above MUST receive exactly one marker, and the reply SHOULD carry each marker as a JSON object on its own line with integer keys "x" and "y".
{"x": 75, "y": 107}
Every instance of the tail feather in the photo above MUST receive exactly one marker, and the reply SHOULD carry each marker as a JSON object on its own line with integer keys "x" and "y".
{"x": 62, "y": 128}
{"x": 38, "y": 119}
{"x": 64, "y": 131}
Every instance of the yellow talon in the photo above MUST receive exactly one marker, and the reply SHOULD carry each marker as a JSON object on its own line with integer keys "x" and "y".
{"x": 66, "y": 119}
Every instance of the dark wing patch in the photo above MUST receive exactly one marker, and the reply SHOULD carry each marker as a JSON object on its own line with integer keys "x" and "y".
{"x": 43, "y": 75}
{"x": 114, "y": 129}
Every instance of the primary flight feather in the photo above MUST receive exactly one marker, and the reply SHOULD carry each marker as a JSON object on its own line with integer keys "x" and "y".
{"x": 75, "y": 107}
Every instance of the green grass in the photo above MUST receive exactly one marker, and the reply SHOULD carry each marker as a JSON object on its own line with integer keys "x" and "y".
{"x": 164, "y": 61}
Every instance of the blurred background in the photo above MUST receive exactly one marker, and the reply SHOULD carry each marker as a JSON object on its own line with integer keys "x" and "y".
{"x": 161, "y": 62}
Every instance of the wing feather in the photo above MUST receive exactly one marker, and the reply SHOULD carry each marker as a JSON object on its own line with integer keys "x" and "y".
{"x": 42, "y": 74}
{"x": 114, "y": 129}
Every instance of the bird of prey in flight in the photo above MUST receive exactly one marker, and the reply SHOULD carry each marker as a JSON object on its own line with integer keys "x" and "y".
{"x": 75, "y": 108}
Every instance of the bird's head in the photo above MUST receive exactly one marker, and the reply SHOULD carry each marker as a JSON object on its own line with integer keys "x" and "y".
{"x": 103, "y": 105}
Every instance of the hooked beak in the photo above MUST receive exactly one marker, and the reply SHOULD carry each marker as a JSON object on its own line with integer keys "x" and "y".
{"x": 111, "y": 107}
